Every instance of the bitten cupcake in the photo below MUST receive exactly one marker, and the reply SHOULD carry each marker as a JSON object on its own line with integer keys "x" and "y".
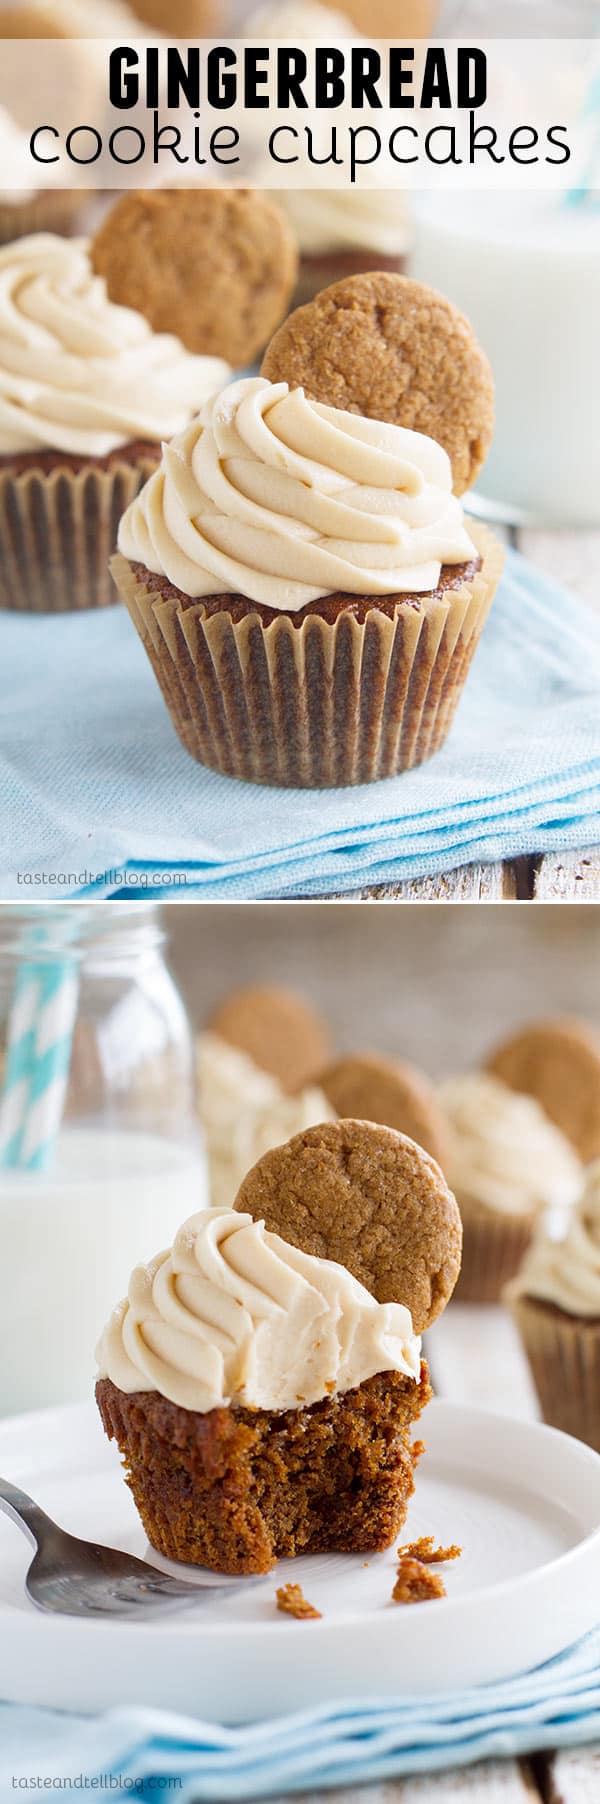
{"x": 261, "y": 1396}
{"x": 306, "y": 588}
{"x": 87, "y": 392}
{"x": 555, "y": 1301}
{"x": 508, "y": 1165}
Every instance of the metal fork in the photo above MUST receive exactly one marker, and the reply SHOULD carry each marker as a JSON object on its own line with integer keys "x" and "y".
{"x": 83, "y": 1578}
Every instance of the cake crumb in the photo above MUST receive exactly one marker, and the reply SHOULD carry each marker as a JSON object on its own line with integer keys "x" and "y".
{"x": 291, "y": 1600}
{"x": 416, "y": 1583}
{"x": 418, "y": 1449}
{"x": 425, "y": 1550}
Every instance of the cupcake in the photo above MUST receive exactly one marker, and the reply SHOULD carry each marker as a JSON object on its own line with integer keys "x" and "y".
{"x": 557, "y": 1062}
{"x": 262, "y": 1398}
{"x": 244, "y": 1112}
{"x": 87, "y": 392}
{"x": 555, "y": 1301}
{"x": 306, "y": 588}
{"x": 278, "y": 1030}
{"x": 508, "y": 1166}
{"x": 346, "y": 231}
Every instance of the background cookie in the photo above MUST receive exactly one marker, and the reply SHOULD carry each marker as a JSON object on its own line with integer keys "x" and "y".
{"x": 558, "y": 1062}
{"x": 278, "y": 1029}
{"x": 392, "y": 349}
{"x": 369, "y": 1198}
{"x": 183, "y": 18}
{"x": 367, "y": 1088}
{"x": 214, "y": 266}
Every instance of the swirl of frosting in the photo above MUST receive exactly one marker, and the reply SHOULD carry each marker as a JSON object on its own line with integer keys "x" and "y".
{"x": 567, "y": 1271}
{"x": 283, "y": 500}
{"x": 244, "y": 1113}
{"x": 234, "y": 1315}
{"x": 506, "y": 1153}
{"x": 77, "y": 372}
{"x": 338, "y": 219}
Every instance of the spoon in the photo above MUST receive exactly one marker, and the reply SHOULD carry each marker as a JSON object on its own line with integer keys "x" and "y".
{"x": 82, "y": 1578}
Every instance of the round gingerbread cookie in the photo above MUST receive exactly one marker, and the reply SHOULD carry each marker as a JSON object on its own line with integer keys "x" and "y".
{"x": 367, "y": 1088}
{"x": 558, "y": 1062}
{"x": 392, "y": 349}
{"x": 215, "y": 266}
{"x": 281, "y": 1032}
{"x": 370, "y": 1199}
{"x": 182, "y": 18}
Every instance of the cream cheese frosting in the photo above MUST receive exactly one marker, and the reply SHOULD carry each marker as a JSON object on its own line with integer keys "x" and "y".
{"x": 79, "y": 373}
{"x": 244, "y": 1113}
{"x": 341, "y": 219}
{"x": 567, "y": 1271}
{"x": 506, "y": 1153}
{"x": 283, "y": 500}
{"x": 232, "y": 1314}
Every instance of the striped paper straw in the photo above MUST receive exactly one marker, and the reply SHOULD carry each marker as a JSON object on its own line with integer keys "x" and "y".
{"x": 39, "y": 1045}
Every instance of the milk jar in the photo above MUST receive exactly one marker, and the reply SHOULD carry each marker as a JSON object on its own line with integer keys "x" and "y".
{"x": 122, "y": 1163}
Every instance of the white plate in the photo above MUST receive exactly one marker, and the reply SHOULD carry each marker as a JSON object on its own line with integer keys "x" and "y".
{"x": 523, "y": 1501}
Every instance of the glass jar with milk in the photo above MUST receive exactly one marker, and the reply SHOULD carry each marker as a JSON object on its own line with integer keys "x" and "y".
{"x": 101, "y": 1156}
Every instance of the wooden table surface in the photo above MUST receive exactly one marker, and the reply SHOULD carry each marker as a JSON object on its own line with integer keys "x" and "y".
{"x": 571, "y": 558}
{"x": 475, "y": 1357}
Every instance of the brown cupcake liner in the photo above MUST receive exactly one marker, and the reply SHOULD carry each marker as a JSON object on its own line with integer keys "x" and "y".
{"x": 493, "y": 1247}
{"x": 319, "y": 704}
{"x": 235, "y": 1489}
{"x": 58, "y": 530}
{"x": 55, "y": 210}
{"x": 564, "y": 1358}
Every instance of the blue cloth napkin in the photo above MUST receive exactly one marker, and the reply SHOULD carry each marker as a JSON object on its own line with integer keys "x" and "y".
{"x": 96, "y": 791}
{"x": 557, "y": 1705}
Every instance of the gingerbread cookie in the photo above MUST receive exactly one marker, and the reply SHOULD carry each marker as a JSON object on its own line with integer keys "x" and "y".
{"x": 367, "y": 1088}
{"x": 277, "y": 1029}
{"x": 558, "y": 1062}
{"x": 392, "y": 349}
{"x": 370, "y": 1199}
{"x": 215, "y": 266}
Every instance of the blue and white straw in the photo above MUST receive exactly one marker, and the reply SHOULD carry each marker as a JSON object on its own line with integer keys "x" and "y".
{"x": 38, "y": 1057}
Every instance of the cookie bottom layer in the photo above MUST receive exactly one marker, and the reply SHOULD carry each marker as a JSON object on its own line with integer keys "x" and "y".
{"x": 237, "y": 1489}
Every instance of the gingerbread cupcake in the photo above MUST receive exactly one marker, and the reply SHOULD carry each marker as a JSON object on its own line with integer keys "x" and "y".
{"x": 509, "y": 1166}
{"x": 261, "y": 1397}
{"x": 302, "y": 576}
{"x": 245, "y": 1111}
{"x": 555, "y": 1301}
{"x": 557, "y": 1062}
{"x": 87, "y": 392}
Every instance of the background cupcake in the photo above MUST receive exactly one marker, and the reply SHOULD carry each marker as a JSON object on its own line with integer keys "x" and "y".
{"x": 315, "y": 624}
{"x": 508, "y": 1165}
{"x": 555, "y": 1301}
{"x": 87, "y": 392}
{"x": 244, "y": 1112}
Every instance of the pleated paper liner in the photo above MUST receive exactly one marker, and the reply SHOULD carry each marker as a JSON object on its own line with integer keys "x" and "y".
{"x": 564, "y": 1356}
{"x": 55, "y": 210}
{"x": 58, "y": 530}
{"x": 493, "y": 1247}
{"x": 321, "y": 704}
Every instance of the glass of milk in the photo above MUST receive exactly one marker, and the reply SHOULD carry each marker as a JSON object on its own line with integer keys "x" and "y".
{"x": 128, "y": 1164}
{"x": 525, "y": 268}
